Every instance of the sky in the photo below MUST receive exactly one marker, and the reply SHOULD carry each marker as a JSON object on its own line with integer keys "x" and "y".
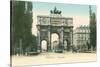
{"x": 79, "y": 13}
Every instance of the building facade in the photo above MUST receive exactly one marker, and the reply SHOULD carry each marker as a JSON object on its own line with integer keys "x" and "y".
{"x": 81, "y": 37}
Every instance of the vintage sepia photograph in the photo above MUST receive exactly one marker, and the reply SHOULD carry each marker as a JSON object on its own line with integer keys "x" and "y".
{"x": 51, "y": 33}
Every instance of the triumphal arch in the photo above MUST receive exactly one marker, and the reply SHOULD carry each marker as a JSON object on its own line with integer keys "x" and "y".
{"x": 55, "y": 23}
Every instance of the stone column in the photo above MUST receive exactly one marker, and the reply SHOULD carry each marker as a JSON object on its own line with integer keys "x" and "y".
{"x": 71, "y": 38}
{"x": 61, "y": 38}
{"x": 49, "y": 40}
{"x": 38, "y": 40}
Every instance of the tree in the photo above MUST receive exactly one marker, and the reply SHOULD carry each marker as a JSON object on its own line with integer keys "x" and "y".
{"x": 17, "y": 14}
{"x": 21, "y": 25}
{"x": 92, "y": 29}
{"x": 27, "y": 26}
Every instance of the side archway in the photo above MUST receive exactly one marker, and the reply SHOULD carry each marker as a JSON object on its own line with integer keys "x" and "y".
{"x": 54, "y": 41}
{"x": 43, "y": 45}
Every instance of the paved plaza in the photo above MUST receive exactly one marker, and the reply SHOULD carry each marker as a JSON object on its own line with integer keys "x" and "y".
{"x": 53, "y": 58}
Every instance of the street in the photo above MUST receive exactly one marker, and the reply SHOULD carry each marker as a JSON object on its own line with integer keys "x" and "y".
{"x": 53, "y": 58}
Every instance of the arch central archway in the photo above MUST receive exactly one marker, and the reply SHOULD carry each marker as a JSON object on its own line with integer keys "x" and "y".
{"x": 54, "y": 41}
